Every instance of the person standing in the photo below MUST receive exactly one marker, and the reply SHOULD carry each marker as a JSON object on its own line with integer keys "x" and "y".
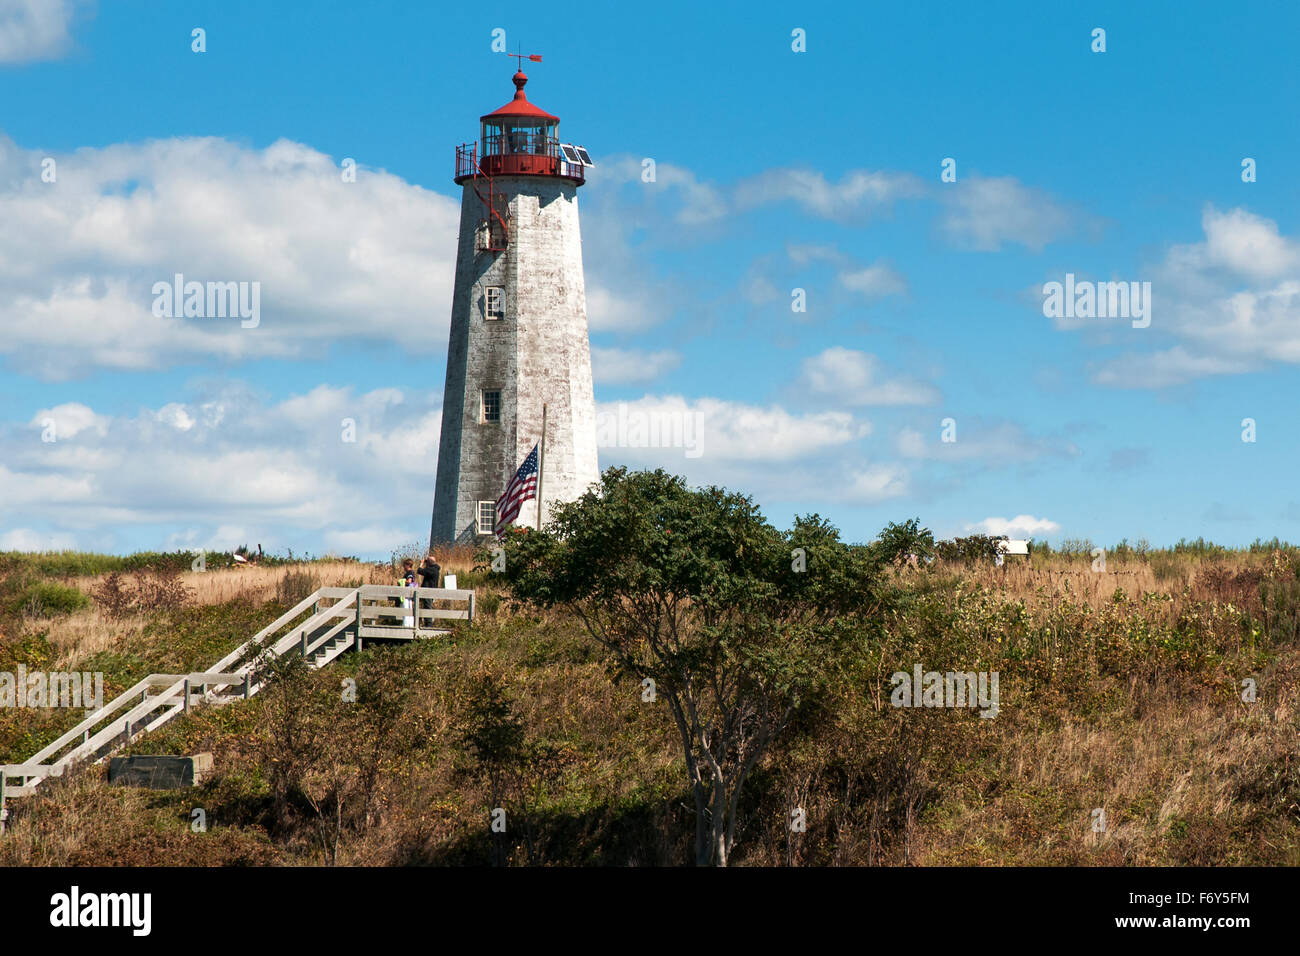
{"x": 430, "y": 577}
{"x": 430, "y": 572}
{"x": 408, "y": 581}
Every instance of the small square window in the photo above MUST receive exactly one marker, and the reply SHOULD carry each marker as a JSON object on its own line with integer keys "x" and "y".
{"x": 491, "y": 406}
{"x": 487, "y": 517}
{"x": 496, "y": 302}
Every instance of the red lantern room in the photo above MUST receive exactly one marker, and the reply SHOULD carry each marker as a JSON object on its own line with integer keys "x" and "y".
{"x": 520, "y": 139}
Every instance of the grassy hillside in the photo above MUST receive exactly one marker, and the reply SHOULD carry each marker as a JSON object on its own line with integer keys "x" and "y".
{"x": 1120, "y": 691}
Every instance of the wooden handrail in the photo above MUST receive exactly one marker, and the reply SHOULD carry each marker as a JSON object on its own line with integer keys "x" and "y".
{"x": 101, "y": 730}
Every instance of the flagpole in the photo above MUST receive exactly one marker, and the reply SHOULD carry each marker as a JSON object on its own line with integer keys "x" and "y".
{"x": 541, "y": 463}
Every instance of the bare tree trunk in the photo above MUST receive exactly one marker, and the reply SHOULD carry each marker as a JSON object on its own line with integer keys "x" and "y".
{"x": 720, "y": 823}
{"x": 693, "y": 776}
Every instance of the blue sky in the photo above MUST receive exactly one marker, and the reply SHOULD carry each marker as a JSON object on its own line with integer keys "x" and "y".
{"x": 775, "y": 170}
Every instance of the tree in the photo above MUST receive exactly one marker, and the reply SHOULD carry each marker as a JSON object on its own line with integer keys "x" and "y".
{"x": 729, "y": 621}
{"x": 970, "y": 550}
{"x": 898, "y": 542}
{"x": 295, "y": 737}
{"x": 513, "y": 766}
{"x": 327, "y": 752}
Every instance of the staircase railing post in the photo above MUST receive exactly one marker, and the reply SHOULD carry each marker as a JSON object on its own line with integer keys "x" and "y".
{"x": 161, "y": 707}
{"x": 359, "y": 595}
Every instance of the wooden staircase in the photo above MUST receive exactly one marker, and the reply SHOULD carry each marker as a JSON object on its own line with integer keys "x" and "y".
{"x": 338, "y": 619}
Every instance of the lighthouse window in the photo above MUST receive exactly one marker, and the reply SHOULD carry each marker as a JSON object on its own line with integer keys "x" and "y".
{"x": 491, "y": 406}
{"x": 496, "y": 302}
{"x": 487, "y": 517}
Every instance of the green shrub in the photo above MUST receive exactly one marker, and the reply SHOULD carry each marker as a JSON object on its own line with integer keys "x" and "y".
{"x": 1200, "y": 547}
{"x": 1075, "y": 546}
{"x": 51, "y": 599}
{"x": 64, "y": 564}
{"x": 904, "y": 541}
{"x": 975, "y": 548}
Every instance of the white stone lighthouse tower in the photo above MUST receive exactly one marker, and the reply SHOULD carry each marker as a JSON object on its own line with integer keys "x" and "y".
{"x": 518, "y": 325}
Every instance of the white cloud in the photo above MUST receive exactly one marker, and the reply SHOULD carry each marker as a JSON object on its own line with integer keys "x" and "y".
{"x": 1247, "y": 245}
{"x": 854, "y": 378}
{"x": 228, "y": 469}
{"x": 874, "y": 282}
{"x": 68, "y": 420}
{"x": 871, "y": 282}
{"x": 995, "y": 443}
{"x": 762, "y": 450}
{"x": 697, "y": 202}
{"x": 370, "y": 540}
{"x": 700, "y": 202}
{"x": 874, "y": 483}
{"x": 335, "y": 261}
{"x": 201, "y": 539}
{"x": 1167, "y": 367}
{"x": 803, "y": 253}
{"x": 33, "y": 30}
{"x": 623, "y": 221}
{"x": 984, "y": 213}
{"x": 609, "y": 311}
{"x": 177, "y": 416}
{"x": 1021, "y": 526}
{"x": 859, "y": 193}
{"x": 1231, "y": 303}
{"x": 25, "y": 539}
{"x": 726, "y": 431}
{"x": 631, "y": 366}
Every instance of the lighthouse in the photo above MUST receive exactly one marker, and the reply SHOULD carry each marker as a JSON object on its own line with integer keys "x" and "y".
{"x": 518, "y": 358}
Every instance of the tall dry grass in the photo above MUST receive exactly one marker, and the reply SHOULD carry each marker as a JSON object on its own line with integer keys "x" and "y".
{"x": 84, "y": 633}
{"x": 1057, "y": 576}
{"x": 1175, "y": 779}
{"x": 259, "y": 583}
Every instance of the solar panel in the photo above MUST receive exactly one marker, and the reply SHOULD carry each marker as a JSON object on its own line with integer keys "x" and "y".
{"x": 570, "y": 154}
{"x": 583, "y": 156}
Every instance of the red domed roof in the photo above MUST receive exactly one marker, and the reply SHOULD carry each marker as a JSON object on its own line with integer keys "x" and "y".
{"x": 520, "y": 106}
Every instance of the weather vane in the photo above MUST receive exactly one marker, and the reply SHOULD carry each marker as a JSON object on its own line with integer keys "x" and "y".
{"x": 520, "y": 57}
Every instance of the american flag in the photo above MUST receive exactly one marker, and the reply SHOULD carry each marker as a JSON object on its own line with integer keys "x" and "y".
{"x": 522, "y": 487}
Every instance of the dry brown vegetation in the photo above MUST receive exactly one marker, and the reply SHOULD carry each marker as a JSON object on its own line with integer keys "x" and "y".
{"x": 1120, "y": 691}
{"x": 260, "y": 582}
{"x": 95, "y": 629}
